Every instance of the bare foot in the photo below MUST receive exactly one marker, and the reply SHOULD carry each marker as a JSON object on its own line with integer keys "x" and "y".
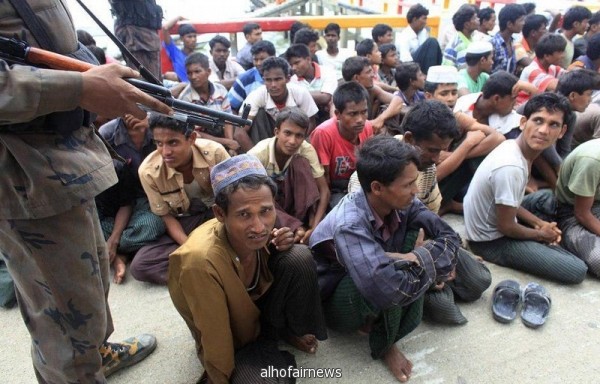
{"x": 400, "y": 366}
{"x": 307, "y": 343}
{"x": 120, "y": 268}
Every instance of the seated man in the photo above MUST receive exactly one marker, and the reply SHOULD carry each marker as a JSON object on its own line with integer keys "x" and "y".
{"x": 370, "y": 50}
{"x": 389, "y": 62}
{"x": 510, "y": 20}
{"x": 188, "y": 35}
{"x": 211, "y": 95}
{"x": 493, "y": 106}
{"x": 480, "y": 58}
{"x": 430, "y": 126}
{"x": 319, "y": 81}
{"x": 414, "y": 43}
{"x": 240, "y": 284}
{"x": 252, "y": 78}
{"x": 382, "y": 34}
{"x": 533, "y": 30}
{"x": 575, "y": 23}
{"x": 577, "y": 87}
{"x": 372, "y": 275}
{"x": 494, "y": 200}
{"x": 276, "y": 94}
{"x": 410, "y": 81}
{"x": 466, "y": 22}
{"x": 358, "y": 69}
{"x": 309, "y": 37}
{"x": 577, "y": 192}
{"x": 223, "y": 69}
{"x": 456, "y": 166}
{"x": 175, "y": 179}
{"x": 544, "y": 70}
{"x": 337, "y": 139}
{"x": 123, "y": 209}
{"x": 252, "y": 34}
{"x": 333, "y": 56}
{"x": 293, "y": 164}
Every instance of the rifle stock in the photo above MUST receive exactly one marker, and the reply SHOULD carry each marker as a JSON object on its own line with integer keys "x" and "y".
{"x": 18, "y": 51}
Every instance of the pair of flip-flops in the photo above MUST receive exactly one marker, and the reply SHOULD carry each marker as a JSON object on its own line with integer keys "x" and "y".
{"x": 507, "y": 297}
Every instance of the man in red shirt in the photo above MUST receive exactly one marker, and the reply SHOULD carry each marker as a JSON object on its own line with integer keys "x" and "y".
{"x": 336, "y": 139}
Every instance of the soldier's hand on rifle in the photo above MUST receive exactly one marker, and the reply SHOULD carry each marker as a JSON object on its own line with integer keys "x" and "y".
{"x": 107, "y": 94}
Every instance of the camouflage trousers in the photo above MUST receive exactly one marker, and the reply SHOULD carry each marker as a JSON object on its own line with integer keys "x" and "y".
{"x": 60, "y": 268}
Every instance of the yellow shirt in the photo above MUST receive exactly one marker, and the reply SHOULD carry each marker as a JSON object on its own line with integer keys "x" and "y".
{"x": 164, "y": 186}
{"x": 206, "y": 283}
{"x": 265, "y": 152}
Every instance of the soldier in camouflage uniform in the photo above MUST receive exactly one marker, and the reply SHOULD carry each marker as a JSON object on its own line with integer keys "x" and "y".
{"x": 53, "y": 165}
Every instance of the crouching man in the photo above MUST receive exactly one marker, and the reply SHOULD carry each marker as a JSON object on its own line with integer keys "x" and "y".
{"x": 372, "y": 274}
{"x": 240, "y": 284}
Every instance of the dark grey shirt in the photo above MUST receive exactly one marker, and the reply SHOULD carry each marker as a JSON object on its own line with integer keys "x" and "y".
{"x": 350, "y": 231}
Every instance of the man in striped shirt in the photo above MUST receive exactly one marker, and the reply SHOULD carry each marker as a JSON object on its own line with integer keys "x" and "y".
{"x": 544, "y": 70}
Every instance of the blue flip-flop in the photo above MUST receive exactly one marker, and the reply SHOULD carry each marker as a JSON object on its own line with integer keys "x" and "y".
{"x": 536, "y": 305}
{"x": 505, "y": 300}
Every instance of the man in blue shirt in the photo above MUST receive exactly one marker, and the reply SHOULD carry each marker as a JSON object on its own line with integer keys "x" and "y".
{"x": 188, "y": 35}
{"x": 252, "y": 78}
{"x": 372, "y": 272}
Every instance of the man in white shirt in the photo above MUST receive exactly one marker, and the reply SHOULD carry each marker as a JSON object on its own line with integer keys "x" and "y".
{"x": 498, "y": 226}
{"x": 269, "y": 99}
{"x": 320, "y": 81}
{"x": 223, "y": 69}
{"x": 333, "y": 56}
{"x": 414, "y": 43}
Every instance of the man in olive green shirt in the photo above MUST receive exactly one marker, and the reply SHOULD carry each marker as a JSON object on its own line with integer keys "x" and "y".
{"x": 578, "y": 195}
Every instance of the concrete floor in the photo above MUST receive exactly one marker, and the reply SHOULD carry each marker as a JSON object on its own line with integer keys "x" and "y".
{"x": 565, "y": 350}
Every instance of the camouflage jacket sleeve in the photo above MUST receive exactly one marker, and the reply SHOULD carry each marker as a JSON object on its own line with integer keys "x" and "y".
{"x": 29, "y": 92}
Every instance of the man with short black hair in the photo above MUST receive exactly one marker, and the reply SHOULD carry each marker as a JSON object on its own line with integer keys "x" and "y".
{"x": 319, "y": 81}
{"x": 241, "y": 284}
{"x": 223, "y": 69}
{"x": 533, "y": 30}
{"x": 575, "y": 22}
{"x": 511, "y": 19}
{"x": 253, "y": 34}
{"x": 480, "y": 60}
{"x": 294, "y": 165}
{"x": 382, "y": 34}
{"x": 252, "y": 78}
{"x": 465, "y": 21}
{"x": 544, "y": 70}
{"x": 333, "y": 56}
{"x": 204, "y": 92}
{"x": 175, "y": 179}
{"x": 487, "y": 23}
{"x": 308, "y": 37}
{"x": 372, "y": 272}
{"x": 414, "y": 43}
{"x": 498, "y": 227}
{"x": 581, "y": 43}
{"x": 188, "y": 36}
{"x": 336, "y": 139}
{"x": 276, "y": 94}
{"x": 358, "y": 69}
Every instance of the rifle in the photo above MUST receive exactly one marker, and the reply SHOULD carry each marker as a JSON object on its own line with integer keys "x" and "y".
{"x": 19, "y": 52}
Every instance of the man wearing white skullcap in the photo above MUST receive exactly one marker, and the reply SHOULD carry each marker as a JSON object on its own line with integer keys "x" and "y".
{"x": 480, "y": 59}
